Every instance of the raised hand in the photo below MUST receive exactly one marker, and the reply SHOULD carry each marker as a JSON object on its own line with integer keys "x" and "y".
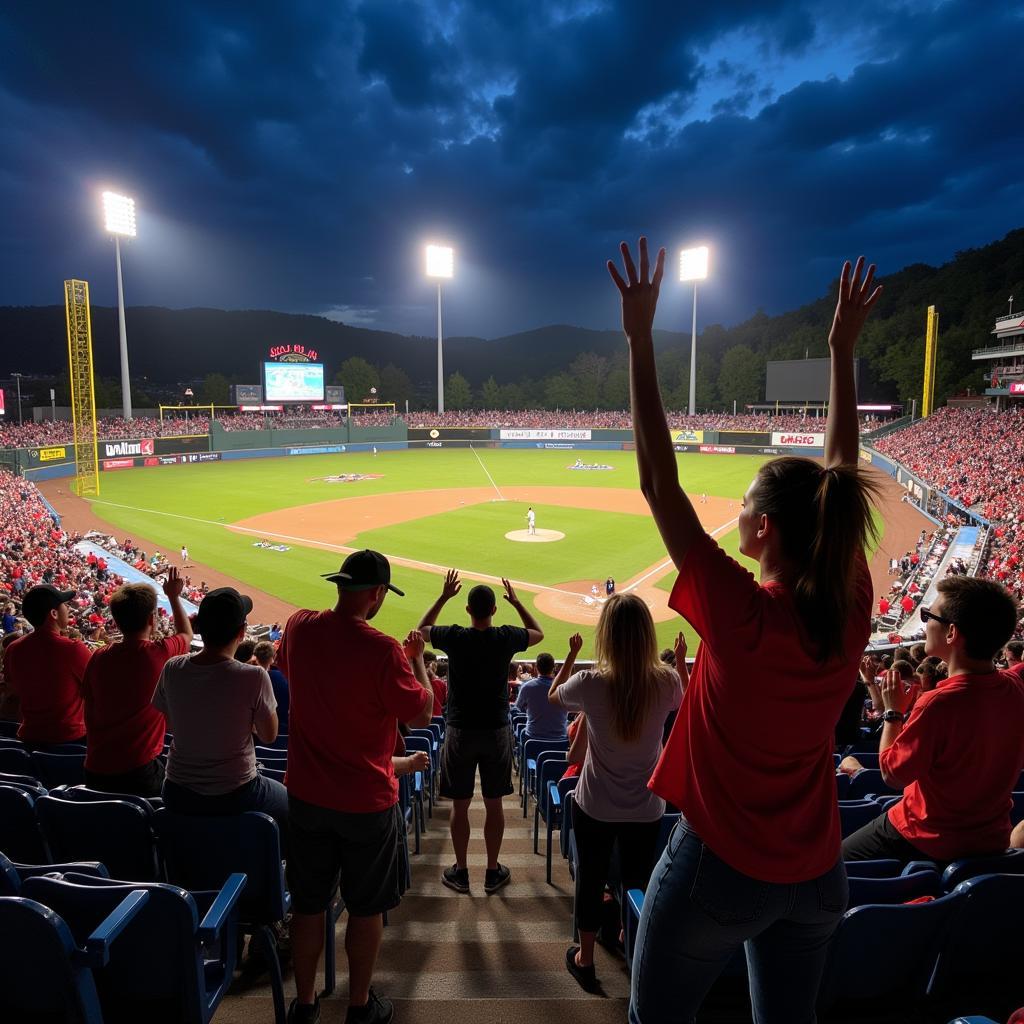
{"x": 413, "y": 645}
{"x": 510, "y": 592}
{"x": 452, "y": 584}
{"x": 680, "y": 648}
{"x": 868, "y": 668}
{"x": 639, "y": 295}
{"x": 894, "y": 693}
{"x": 575, "y": 644}
{"x": 852, "y": 308}
{"x": 174, "y": 584}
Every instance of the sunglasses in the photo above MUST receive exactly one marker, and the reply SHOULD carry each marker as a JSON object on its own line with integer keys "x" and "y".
{"x": 927, "y": 613}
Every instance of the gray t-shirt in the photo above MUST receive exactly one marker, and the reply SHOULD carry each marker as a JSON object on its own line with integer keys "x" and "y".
{"x": 210, "y": 710}
{"x": 613, "y": 781}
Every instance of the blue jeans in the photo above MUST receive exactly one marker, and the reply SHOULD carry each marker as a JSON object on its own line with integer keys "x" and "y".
{"x": 697, "y": 913}
{"x": 259, "y": 794}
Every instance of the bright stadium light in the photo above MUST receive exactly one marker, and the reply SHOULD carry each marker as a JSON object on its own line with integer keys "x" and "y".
{"x": 693, "y": 266}
{"x": 441, "y": 266}
{"x": 119, "y": 214}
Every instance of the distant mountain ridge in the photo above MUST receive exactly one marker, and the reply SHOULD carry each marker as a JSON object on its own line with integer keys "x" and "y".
{"x": 169, "y": 345}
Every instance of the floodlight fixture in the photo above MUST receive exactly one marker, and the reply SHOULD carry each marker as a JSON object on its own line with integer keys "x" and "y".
{"x": 440, "y": 267}
{"x": 693, "y": 266}
{"x": 119, "y": 213}
{"x": 440, "y": 261}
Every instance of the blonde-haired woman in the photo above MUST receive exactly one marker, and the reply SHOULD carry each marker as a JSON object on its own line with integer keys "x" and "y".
{"x": 626, "y": 697}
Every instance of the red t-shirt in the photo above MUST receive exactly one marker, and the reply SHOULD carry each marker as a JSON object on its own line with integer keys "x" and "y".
{"x": 1017, "y": 670}
{"x": 959, "y": 756}
{"x": 440, "y": 688}
{"x": 749, "y": 759}
{"x": 125, "y": 730}
{"x": 883, "y": 606}
{"x": 907, "y": 603}
{"x": 350, "y": 686}
{"x": 45, "y": 670}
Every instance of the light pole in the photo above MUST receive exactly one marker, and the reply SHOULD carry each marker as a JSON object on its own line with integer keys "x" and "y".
{"x": 440, "y": 265}
{"x": 693, "y": 266}
{"x": 17, "y": 378}
{"x": 119, "y": 212}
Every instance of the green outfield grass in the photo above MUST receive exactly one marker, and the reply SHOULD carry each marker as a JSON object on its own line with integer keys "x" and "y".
{"x": 192, "y": 504}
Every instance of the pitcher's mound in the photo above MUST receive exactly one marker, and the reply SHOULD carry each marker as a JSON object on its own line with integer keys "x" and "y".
{"x": 540, "y": 537}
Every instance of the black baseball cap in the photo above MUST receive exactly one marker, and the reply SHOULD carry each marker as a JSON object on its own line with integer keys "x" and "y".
{"x": 41, "y": 600}
{"x": 223, "y": 610}
{"x": 363, "y": 570}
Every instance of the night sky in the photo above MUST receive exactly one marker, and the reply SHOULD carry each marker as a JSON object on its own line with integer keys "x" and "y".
{"x": 297, "y": 156}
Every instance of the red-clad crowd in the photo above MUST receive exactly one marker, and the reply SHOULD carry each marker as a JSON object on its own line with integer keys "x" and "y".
{"x": 974, "y": 456}
{"x": 111, "y": 428}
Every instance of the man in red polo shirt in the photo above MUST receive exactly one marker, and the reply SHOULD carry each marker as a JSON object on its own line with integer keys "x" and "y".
{"x": 907, "y": 603}
{"x": 1013, "y": 653}
{"x": 125, "y": 732}
{"x": 959, "y": 753}
{"x": 45, "y": 670}
{"x": 350, "y": 686}
{"x": 883, "y": 605}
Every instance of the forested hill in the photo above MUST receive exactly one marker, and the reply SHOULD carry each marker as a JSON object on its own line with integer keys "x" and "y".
{"x": 568, "y": 366}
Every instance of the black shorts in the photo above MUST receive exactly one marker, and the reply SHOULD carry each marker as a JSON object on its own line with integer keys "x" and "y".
{"x": 464, "y": 751}
{"x": 358, "y": 852}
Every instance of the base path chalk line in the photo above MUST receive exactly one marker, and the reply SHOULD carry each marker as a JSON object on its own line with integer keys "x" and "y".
{"x": 501, "y": 497}
{"x": 667, "y": 564}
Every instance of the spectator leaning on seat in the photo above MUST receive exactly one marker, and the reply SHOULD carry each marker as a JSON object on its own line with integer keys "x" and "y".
{"x": 351, "y": 686}
{"x": 477, "y": 733}
{"x": 755, "y": 858}
{"x": 213, "y": 705}
{"x": 125, "y": 732}
{"x": 626, "y": 699}
{"x": 544, "y": 720}
{"x": 45, "y": 669}
{"x": 960, "y": 752}
{"x": 265, "y": 654}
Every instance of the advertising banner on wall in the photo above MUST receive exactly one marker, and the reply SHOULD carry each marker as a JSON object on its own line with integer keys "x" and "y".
{"x": 118, "y": 463}
{"x": 544, "y": 435}
{"x": 794, "y": 439}
{"x": 717, "y": 449}
{"x": 120, "y": 449}
{"x": 448, "y": 434}
{"x": 56, "y": 454}
{"x": 1017, "y": 387}
{"x": 688, "y": 436}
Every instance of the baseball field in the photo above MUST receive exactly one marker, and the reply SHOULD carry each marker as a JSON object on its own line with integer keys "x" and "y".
{"x": 275, "y": 525}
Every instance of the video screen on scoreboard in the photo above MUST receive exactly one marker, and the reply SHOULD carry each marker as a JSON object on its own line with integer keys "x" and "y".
{"x": 293, "y": 382}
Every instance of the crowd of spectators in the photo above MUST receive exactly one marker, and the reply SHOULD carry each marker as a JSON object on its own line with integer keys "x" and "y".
{"x": 974, "y": 456}
{"x": 50, "y": 432}
{"x": 109, "y": 428}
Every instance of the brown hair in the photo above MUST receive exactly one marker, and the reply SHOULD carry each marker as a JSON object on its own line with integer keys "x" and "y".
{"x": 264, "y": 653}
{"x": 626, "y": 654}
{"x": 824, "y": 521}
{"x": 132, "y": 606}
{"x": 982, "y": 610}
{"x": 243, "y": 652}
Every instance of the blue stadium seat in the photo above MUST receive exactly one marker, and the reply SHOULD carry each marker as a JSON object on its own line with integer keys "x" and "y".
{"x": 1009, "y": 863}
{"x": 531, "y": 748}
{"x": 12, "y": 874}
{"x": 551, "y": 765}
{"x": 43, "y": 970}
{"x": 172, "y": 962}
{"x": 54, "y": 770}
{"x": 856, "y": 814}
{"x": 980, "y": 962}
{"x": 900, "y": 889}
{"x": 913, "y": 933}
{"x": 21, "y": 838}
{"x": 9, "y": 728}
{"x": 558, "y": 793}
{"x": 117, "y": 833}
{"x": 27, "y": 782}
{"x": 201, "y": 853}
{"x": 16, "y": 761}
{"x": 869, "y": 780}
{"x": 425, "y": 744}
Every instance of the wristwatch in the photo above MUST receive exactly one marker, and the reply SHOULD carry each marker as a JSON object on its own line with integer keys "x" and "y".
{"x": 894, "y": 716}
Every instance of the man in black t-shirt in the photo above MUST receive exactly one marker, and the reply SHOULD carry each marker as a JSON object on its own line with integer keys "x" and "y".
{"x": 477, "y": 733}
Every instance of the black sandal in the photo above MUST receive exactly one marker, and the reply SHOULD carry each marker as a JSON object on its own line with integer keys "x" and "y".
{"x": 586, "y": 977}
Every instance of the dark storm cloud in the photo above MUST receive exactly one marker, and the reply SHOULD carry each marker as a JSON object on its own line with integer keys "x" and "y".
{"x": 296, "y": 156}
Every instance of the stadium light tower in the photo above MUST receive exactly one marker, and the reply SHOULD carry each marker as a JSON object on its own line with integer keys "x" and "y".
{"x": 119, "y": 212}
{"x": 693, "y": 266}
{"x": 440, "y": 265}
